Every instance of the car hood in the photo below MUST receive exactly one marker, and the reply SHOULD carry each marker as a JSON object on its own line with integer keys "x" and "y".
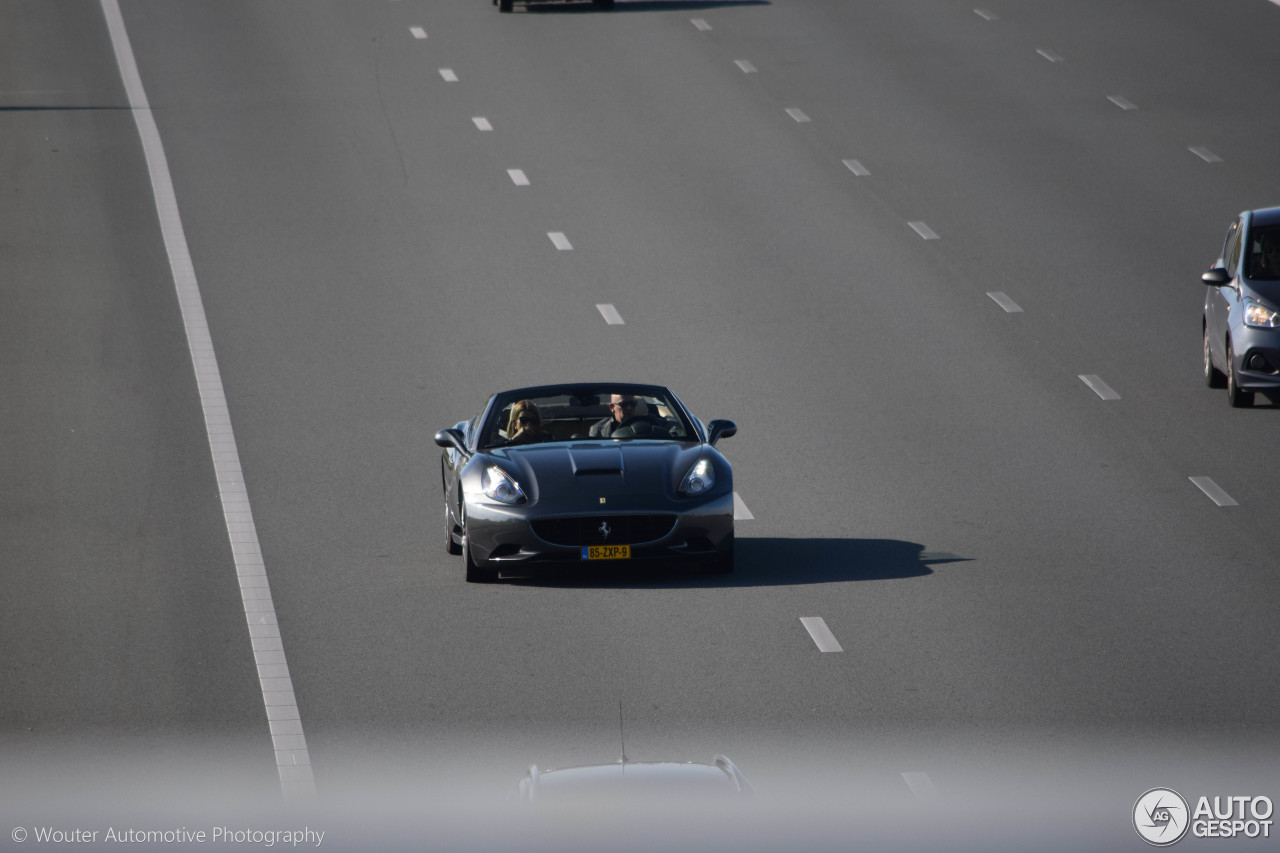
{"x": 603, "y": 469}
{"x": 1268, "y": 291}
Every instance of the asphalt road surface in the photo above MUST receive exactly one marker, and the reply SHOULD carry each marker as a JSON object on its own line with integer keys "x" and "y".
{"x": 940, "y": 263}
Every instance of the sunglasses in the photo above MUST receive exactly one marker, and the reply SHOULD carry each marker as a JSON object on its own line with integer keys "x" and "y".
{"x": 527, "y": 419}
{"x": 628, "y": 404}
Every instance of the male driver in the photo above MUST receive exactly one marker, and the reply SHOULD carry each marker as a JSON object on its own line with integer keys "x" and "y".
{"x": 622, "y": 409}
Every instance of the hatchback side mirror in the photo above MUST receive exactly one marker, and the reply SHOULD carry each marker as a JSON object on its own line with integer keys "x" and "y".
{"x": 1216, "y": 276}
{"x": 719, "y": 429}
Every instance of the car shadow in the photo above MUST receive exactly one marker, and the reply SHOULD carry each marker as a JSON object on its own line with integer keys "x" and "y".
{"x": 768, "y": 562}
{"x": 576, "y": 6}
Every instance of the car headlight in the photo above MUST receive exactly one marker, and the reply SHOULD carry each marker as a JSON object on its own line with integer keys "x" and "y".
{"x": 701, "y": 477}
{"x": 498, "y": 485}
{"x": 1259, "y": 316}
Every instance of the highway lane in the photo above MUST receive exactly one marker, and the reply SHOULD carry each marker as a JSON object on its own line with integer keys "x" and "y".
{"x": 357, "y": 235}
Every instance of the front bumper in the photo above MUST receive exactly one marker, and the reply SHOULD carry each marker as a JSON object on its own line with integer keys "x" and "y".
{"x": 1250, "y": 347}
{"x": 504, "y": 538}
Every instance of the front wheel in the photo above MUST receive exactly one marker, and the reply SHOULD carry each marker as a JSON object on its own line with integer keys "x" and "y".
{"x": 450, "y": 545}
{"x": 1237, "y": 398}
{"x": 1212, "y": 376}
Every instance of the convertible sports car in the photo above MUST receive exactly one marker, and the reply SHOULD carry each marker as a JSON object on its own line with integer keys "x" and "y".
{"x": 594, "y": 475}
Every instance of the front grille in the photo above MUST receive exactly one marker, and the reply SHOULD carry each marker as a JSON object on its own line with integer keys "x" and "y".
{"x": 577, "y": 531}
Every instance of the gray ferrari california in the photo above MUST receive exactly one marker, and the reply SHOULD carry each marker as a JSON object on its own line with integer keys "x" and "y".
{"x": 593, "y": 475}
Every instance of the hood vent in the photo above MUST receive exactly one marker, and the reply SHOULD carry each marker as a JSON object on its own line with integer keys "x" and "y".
{"x": 596, "y": 460}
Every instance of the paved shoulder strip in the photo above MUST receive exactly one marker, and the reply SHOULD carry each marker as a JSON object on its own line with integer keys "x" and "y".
{"x": 292, "y": 758}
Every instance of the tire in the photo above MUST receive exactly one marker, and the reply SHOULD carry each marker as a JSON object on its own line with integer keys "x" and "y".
{"x": 604, "y": 4}
{"x": 475, "y": 574}
{"x": 1237, "y": 398}
{"x": 722, "y": 563}
{"x": 450, "y": 546}
{"x": 1213, "y": 377}
{"x": 505, "y": 5}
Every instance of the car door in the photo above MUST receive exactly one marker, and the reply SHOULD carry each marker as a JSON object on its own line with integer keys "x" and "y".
{"x": 1220, "y": 299}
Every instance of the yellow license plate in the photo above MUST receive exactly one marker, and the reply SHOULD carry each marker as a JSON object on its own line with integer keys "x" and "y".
{"x": 606, "y": 552}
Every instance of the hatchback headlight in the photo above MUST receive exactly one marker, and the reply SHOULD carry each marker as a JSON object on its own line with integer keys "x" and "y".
{"x": 497, "y": 484}
{"x": 701, "y": 477}
{"x": 1259, "y": 316}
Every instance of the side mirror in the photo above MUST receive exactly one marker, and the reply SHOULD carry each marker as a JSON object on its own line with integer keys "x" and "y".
{"x": 719, "y": 429}
{"x": 452, "y": 438}
{"x": 1216, "y": 276}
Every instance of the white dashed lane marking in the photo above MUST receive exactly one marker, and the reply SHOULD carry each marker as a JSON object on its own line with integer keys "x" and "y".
{"x": 1205, "y": 154}
{"x": 923, "y": 230}
{"x": 797, "y": 114}
{"x": 821, "y": 634}
{"x": 560, "y": 241}
{"x": 747, "y": 67}
{"x": 610, "y": 314}
{"x": 1005, "y": 302}
{"x": 700, "y": 24}
{"x": 482, "y": 123}
{"x": 1122, "y": 103}
{"x": 518, "y": 177}
{"x": 740, "y": 511}
{"x": 856, "y": 167}
{"x": 448, "y": 75}
{"x": 1213, "y": 491}
{"x": 1049, "y": 55}
{"x": 921, "y": 785}
{"x": 418, "y": 32}
{"x": 985, "y": 15}
{"x": 1099, "y": 387}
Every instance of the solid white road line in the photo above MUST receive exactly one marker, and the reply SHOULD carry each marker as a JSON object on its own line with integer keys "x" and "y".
{"x": 747, "y": 67}
{"x": 1099, "y": 387}
{"x": 1122, "y": 103}
{"x": 293, "y": 760}
{"x": 1005, "y": 302}
{"x": 856, "y": 167}
{"x": 700, "y": 24}
{"x": 740, "y": 511}
{"x": 560, "y": 241}
{"x": 924, "y": 230}
{"x": 1214, "y": 491}
{"x": 1049, "y": 55}
{"x": 821, "y": 634}
{"x": 797, "y": 115}
{"x": 482, "y": 123}
{"x": 921, "y": 785}
{"x": 610, "y": 314}
{"x": 418, "y": 32}
{"x": 1205, "y": 154}
{"x": 518, "y": 178}
{"x": 448, "y": 75}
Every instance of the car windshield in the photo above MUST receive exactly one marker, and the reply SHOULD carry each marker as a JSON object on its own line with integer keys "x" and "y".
{"x": 520, "y": 417}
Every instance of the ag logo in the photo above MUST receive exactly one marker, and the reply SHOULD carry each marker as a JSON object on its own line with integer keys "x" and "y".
{"x": 1161, "y": 817}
